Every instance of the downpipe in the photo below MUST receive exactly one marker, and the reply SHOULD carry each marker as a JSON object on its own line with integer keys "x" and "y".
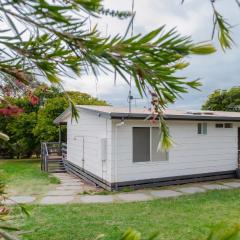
{"x": 116, "y": 154}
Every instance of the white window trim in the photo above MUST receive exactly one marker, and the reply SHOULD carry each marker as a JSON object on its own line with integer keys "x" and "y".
{"x": 151, "y": 162}
{"x": 224, "y": 126}
{"x": 219, "y": 124}
{"x": 150, "y": 144}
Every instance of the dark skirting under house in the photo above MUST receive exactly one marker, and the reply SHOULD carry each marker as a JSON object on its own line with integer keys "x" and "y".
{"x": 146, "y": 183}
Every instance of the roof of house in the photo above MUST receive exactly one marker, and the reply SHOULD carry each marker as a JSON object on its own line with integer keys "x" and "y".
{"x": 142, "y": 113}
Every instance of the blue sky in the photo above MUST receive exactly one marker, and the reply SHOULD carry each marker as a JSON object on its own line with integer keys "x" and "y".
{"x": 194, "y": 18}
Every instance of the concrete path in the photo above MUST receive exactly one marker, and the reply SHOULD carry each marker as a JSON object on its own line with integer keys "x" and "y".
{"x": 73, "y": 190}
{"x": 69, "y": 188}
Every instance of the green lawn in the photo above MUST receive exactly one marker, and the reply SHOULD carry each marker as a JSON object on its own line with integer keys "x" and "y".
{"x": 184, "y": 218}
{"x": 24, "y": 177}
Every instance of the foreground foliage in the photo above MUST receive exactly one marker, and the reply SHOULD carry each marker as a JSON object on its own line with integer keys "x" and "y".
{"x": 59, "y": 40}
{"x": 55, "y": 41}
{"x": 219, "y": 233}
{"x": 5, "y": 213}
{"x": 221, "y": 26}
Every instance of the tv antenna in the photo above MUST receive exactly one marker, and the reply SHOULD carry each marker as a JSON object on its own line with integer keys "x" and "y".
{"x": 130, "y": 96}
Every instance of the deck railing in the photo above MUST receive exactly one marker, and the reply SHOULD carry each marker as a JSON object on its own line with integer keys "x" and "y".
{"x": 64, "y": 151}
{"x": 51, "y": 150}
{"x": 44, "y": 156}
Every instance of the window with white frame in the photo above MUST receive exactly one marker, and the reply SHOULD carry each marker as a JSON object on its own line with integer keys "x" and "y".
{"x": 224, "y": 125}
{"x": 141, "y": 144}
{"x": 145, "y": 145}
{"x": 202, "y": 128}
{"x": 219, "y": 125}
{"x": 228, "y": 125}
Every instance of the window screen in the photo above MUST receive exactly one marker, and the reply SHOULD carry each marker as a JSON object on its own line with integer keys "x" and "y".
{"x": 199, "y": 128}
{"x": 202, "y": 128}
{"x": 228, "y": 125}
{"x": 157, "y": 155}
{"x": 141, "y": 144}
{"x": 219, "y": 125}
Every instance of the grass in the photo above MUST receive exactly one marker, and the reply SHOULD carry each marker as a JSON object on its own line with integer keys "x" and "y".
{"x": 105, "y": 192}
{"x": 185, "y": 218}
{"x": 188, "y": 217}
{"x": 24, "y": 177}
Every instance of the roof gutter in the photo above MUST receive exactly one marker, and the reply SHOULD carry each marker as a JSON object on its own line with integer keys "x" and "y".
{"x": 174, "y": 117}
{"x": 139, "y": 116}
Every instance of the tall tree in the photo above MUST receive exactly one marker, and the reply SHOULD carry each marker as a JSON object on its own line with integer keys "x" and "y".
{"x": 45, "y": 130}
{"x": 223, "y": 100}
{"x": 45, "y": 40}
{"x": 35, "y": 124}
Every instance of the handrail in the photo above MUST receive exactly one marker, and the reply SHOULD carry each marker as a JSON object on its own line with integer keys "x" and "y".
{"x": 46, "y": 149}
{"x": 45, "y": 156}
{"x": 64, "y": 151}
{"x": 49, "y": 149}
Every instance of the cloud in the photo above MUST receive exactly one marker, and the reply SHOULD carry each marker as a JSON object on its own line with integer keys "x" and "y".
{"x": 194, "y": 18}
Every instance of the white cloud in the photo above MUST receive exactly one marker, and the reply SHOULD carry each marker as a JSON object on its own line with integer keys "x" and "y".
{"x": 193, "y": 18}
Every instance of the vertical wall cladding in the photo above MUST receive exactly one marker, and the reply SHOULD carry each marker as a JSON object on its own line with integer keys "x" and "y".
{"x": 84, "y": 143}
{"x": 192, "y": 153}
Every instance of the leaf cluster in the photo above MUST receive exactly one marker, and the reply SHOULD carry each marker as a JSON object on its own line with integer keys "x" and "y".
{"x": 55, "y": 41}
{"x": 35, "y": 124}
{"x": 223, "y": 100}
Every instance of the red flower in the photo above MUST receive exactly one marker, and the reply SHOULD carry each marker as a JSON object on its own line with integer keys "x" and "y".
{"x": 153, "y": 120}
{"x": 10, "y": 111}
{"x": 20, "y": 84}
{"x": 34, "y": 100}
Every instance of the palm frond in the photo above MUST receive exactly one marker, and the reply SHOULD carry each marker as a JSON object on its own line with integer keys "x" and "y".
{"x": 224, "y": 33}
{"x": 4, "y": 136}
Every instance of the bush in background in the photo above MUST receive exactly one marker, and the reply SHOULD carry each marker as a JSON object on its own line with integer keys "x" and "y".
{"x": 28, "y": 129}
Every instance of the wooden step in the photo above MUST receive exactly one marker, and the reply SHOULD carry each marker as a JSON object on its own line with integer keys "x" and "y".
{"x": 57, "y": 157}
{"x": 52, "y": 170}
{"x": 60, "y": 168}
{"x": 56, "y": 169}
{"x": 56, "y": 165}
{"x": 55, "y": 161}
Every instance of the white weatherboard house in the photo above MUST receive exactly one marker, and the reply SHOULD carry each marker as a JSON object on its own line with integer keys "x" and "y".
{"x": 117, "y": 149}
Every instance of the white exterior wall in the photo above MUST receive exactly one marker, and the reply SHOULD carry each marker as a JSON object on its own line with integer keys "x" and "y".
{"x": 92, "y": 129}
{"x": 192, "y": 153}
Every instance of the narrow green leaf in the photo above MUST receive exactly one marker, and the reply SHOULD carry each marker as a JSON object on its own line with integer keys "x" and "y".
{"x": 4, "y": 136}
{"x": 53, "y": 78}
{"x": 203, "y": 49}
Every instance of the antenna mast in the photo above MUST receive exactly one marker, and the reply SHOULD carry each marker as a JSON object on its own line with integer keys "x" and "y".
{"x": 130, "y": 97}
